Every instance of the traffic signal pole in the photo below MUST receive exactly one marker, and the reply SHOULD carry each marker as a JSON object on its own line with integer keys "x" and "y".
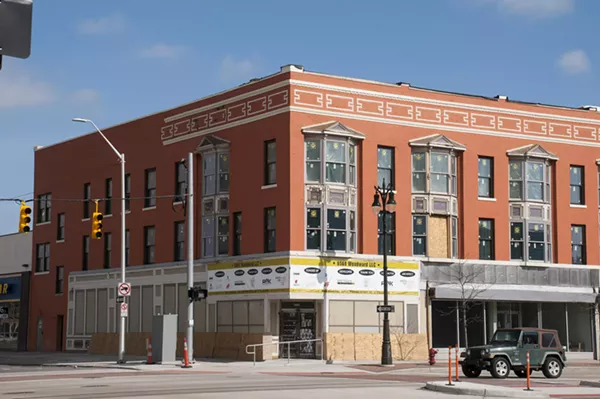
{"x": 123, "y": 237}
{"x": 190, "y": 256}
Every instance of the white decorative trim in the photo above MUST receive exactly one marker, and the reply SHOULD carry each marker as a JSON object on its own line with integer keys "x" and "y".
{"x": 361, "y": 101}
{"x": 463, "y": 115}
{"x": 43, "y": 223}
{"x": 491, "y": 119}
{"x": 451, "y": 104}
{"x": 319, "y": 97}
{"x": 552, "y": 128}
{"x": 228, "y": 126}
{"x": 261, "y": 101}
{"x": 226, "y": 101}
{"x": 211, "y": 117}
{"x": 409, "y": 109}
{"x": 41, "y": 273}
{"x": 108, "y": 216}
{"x": 419, "y": 114}
{"x": 268, "y": 186}
{"x": 578, "y": 128}
{"x": 85, "y": 219}
{"x": 526, "y": 129}
{"x": 60, "y": 241}
{"x": 150, "y": 208}
{"x": 285, "y": 99}
{"x": 577, "y": 206}
{"x": 501, "y": 120}
{"x": 331, "y": 97}
{"x": 486, "y": 199}
{"x": 243, "y": 115}
{"x": 438, "y": 127}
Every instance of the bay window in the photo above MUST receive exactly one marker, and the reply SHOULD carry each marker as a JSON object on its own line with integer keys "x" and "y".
{"x": 330, "y": 187}
{"x": 215, "y": 196}
{"x": 530, "y": 205}
{"x": 434, "y": 168}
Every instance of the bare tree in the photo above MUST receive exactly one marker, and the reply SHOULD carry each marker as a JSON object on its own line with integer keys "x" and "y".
{"x": 405, "y": 341}
{"x": 470, "y": 282}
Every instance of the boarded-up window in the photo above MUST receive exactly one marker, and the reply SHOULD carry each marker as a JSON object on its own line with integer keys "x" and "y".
{"x": 225, "y": 316}
{"x": 183, "y": 305}
{"x": 90, "y": 311}
{"x": 412, "y": 319}
{"x": 79, "y": 311}
{"x": 134, "y": 309}
{"x": 147, "y": 306}
{"x": 102, "y": 311}
{"x": 169, "y": 299}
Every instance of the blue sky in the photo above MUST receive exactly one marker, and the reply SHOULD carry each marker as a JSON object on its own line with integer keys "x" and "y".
{"x": 115, "y": 60}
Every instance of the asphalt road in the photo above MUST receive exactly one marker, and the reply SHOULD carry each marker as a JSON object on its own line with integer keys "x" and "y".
{"x": 28, "y": 369}
{"x": 210, "y": 386}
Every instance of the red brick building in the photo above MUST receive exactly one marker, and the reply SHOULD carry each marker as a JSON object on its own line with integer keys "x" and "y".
{"x": 289, "y": 162}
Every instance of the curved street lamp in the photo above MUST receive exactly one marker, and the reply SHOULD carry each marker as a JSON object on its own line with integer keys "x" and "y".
{"x": 384, "y": 203}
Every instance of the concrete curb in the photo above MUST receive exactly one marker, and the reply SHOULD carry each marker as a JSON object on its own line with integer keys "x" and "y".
{"x": 592, "y": 384}
{"x": 472, "y": 389}
{"x": 69, "y": 365}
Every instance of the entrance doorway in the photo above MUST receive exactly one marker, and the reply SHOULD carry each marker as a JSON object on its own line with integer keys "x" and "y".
{"x": 59, "y": 332}
{"x": 297, "y": 322}
{"x": 509, "y": 315}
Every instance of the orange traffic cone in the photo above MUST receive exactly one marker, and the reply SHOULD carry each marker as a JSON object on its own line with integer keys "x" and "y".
{"x": 186, "y": 359}
{"x": 149, "y": 351}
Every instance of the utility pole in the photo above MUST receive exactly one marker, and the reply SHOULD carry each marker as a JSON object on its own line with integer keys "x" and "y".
{"x": 190, "y": 255}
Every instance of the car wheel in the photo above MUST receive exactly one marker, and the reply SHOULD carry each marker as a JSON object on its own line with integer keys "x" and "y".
{"x": 500, "y": 367}
{"x": 521, "y": 373}
{"x": 552, "y": 368}
{"x": 471, "y": 371}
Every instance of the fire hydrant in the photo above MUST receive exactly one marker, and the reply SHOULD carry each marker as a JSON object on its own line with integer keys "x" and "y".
{"x": 432, "y": 353}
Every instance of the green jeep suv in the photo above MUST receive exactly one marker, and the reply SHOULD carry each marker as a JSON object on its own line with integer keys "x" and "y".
{"x": 508, "y": 351}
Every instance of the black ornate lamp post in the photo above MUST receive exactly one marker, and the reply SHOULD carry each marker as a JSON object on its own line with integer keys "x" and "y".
{"x": 384, "y": 203}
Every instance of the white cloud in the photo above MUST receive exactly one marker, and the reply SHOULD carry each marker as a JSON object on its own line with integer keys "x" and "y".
{"x": 534, "y": 8}
{"x": 574, "y": 62}
{"x": 162, "y": 50}
{"x": 19, "y": 89}
{"x": 232, "y": 70}
{"x": 102, "y": 25}
{"x": 85, "y": 97}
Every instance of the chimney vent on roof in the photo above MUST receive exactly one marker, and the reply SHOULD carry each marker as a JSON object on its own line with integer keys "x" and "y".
{"x": 595, "y": 108}
{"x": 37, "y": 147}
{"x": 403, "y": 84}
{"x": 501, "y": 98}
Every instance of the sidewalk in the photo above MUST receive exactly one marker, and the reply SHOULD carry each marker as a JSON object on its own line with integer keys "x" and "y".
{"x": 484, "y": 390}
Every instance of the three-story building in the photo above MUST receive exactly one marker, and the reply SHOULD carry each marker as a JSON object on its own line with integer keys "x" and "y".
{"x": 497, "y": 215}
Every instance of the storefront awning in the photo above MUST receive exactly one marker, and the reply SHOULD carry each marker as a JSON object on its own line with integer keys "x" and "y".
{"x": 522, "y": 294}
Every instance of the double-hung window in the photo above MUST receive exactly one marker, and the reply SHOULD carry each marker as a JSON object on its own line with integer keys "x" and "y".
{"x": 44, "y": 208}
{"x": 150, "y": 189}
{"x": 577, "y": 185}
{"x": 486, "y": 239}
{"x": 485, "y": 177}
{"x": 578, "y": 253}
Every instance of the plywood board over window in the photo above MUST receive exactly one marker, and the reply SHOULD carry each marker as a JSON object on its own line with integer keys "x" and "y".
{"x": 438, "y": 237}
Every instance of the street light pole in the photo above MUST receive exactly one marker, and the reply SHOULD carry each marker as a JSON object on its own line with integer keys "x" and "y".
{"x": 387, "y": 204}
{"x": 190, "y": 256}
{"x": 121, "y": 156}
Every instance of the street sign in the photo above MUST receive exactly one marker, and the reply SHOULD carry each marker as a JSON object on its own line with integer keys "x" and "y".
{"x": 120, "y": 299}
{"x": 124, "y": 310}
{"x": 124, "y": 289}
{"x": 15, "y": 28}
{"x": 386, "y": 309}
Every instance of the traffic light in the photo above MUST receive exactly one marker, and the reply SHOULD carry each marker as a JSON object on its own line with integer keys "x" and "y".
{"x": 197, "y": 294}
{"x": 97, "y": 225}
{"x": 24, "y": 218}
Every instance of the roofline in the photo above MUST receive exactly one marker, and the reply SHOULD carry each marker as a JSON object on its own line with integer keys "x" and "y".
{"x": 478, "y": 96}
{"x": 9, "y": 235}
{"x": 249, "y": 83}
{"x": 300, "y": 69}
